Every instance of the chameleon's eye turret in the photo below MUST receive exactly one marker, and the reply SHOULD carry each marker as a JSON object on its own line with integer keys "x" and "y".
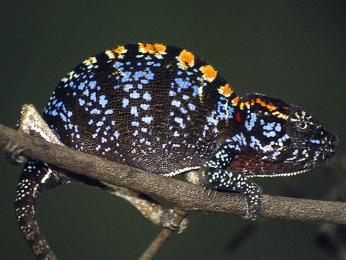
{"x": 300, "y": 126}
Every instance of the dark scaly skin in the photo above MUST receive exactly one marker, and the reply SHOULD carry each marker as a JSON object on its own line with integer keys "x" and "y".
{"x": 162, "y": 109}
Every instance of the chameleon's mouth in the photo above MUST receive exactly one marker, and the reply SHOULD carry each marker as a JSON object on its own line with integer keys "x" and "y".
{"x": 286, "y": 174}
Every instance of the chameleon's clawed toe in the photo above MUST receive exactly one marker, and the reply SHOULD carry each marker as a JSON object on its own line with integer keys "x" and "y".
{"x": 250, "y": 216}
{"x": 172, "y": 220}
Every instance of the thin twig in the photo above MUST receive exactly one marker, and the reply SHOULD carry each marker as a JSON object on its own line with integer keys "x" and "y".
{"x": 160, "y": 240}
{"x": 156, "y": 244}
{"x": 182, "y": 194}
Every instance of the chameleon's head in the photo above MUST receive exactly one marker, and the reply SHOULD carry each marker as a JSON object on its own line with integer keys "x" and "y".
{"x": 283, "y": 139}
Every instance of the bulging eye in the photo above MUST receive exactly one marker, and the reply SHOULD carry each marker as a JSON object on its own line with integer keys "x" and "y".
{"x": 302, "y": 126}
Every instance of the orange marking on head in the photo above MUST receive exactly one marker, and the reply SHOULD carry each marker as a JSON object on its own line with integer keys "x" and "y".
{"x": 186, "y": 59}
{"x": 269, "y": 106}
{"x": 225, "y": 90}
{"x": 209, "y": 73}
{"x": 280, "y": 115}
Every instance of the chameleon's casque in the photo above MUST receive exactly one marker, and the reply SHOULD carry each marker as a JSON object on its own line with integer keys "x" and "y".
{"x": 162, "y": 109}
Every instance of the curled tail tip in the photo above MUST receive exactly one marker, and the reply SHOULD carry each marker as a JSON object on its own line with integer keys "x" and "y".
{"x": 33, "y": 181}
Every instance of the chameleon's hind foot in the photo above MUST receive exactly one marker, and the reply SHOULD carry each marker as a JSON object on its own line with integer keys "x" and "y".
{"x": 13, "y": 153}
{"x": 169, "y": 218}
{"x": 151, "y": 209}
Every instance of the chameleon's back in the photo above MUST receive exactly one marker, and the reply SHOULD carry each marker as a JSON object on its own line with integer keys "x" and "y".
{"x": 155, "y": 107}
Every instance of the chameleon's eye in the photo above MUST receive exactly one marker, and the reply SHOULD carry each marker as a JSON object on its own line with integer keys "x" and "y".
{"x": 302, "y": 126}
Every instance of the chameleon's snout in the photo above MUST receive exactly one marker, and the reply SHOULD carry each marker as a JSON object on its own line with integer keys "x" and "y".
{"x": 334, "y": 140}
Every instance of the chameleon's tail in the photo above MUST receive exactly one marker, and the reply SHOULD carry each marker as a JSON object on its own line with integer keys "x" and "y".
{"x": 35, "y": 179}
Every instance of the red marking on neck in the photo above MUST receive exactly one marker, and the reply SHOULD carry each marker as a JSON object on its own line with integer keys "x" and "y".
{"x": 238, "y": 117}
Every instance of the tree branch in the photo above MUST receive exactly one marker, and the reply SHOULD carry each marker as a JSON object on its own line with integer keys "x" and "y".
{"x": 184, "y": 195}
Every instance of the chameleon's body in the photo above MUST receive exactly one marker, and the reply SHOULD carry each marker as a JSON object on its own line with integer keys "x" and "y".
{"x": 162, "y": 109}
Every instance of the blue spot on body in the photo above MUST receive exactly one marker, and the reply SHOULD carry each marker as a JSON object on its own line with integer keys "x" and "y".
{"x": 63, "y": 117}
{"x": 149, "y": 76}
{"x": 118, "y": 64}
{"x": 176, "y": 103}
{"x": 145, "y": 106}
{"x": 127, "y": 87}
{"x": 135, "y": 123}
{"x": 95, "y": 111}
{"x": 126, "y": 76}
{"x": 92, "y": 84}
{"x": 134, "y": 111}
{"x": 86, "y": 92}
{"x": 103, "y": 101}
{"x": 278, "y": 127}
{"x": 186, "y": 97}
{"x": 135, "y": 95}
{"x": 81, "y": 86}
{"x": 147, "y": 96}
{"x": 93, "y": 96}
{"x": 183, "y": 84}
{"x": 191, "y": 106}
{"x": 125, "y": 102}
{"x": 195, "y": 91}
{"x": 138, "y": 75}
{"x": 81, "y": 102}
{"x": 269, "y": 134}
{"x": 147, "y": 119}
{"x": 250, "y": 122}
{"x": 269, "y": 126}
{"x": 109, "y": 112}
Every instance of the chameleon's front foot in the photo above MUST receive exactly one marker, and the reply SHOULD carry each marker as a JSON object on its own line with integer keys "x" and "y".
{"x": 253, "y": 194}
{"x": 228, "y": 181}
{"x": 169, "y": 218}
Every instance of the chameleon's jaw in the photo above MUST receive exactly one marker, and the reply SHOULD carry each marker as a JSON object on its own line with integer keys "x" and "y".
{"x": 287, "y": 174}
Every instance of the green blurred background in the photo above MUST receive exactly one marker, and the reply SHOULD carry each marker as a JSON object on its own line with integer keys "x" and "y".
{"x": 294, "y": 50}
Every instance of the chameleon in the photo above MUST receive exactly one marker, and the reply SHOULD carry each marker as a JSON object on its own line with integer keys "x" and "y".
{"x": 164, "y": 110}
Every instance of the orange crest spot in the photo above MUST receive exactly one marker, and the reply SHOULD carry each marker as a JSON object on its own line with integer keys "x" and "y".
{"x": 89, "y": 61}
{"x": 235, "y": 101}
{"x": 186, "y": 59}
{"x": 209, "y": 73}
{"x": 155, "y": 48}
{"x": 118, "y": 51}
{"x": 225, "y": 90}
